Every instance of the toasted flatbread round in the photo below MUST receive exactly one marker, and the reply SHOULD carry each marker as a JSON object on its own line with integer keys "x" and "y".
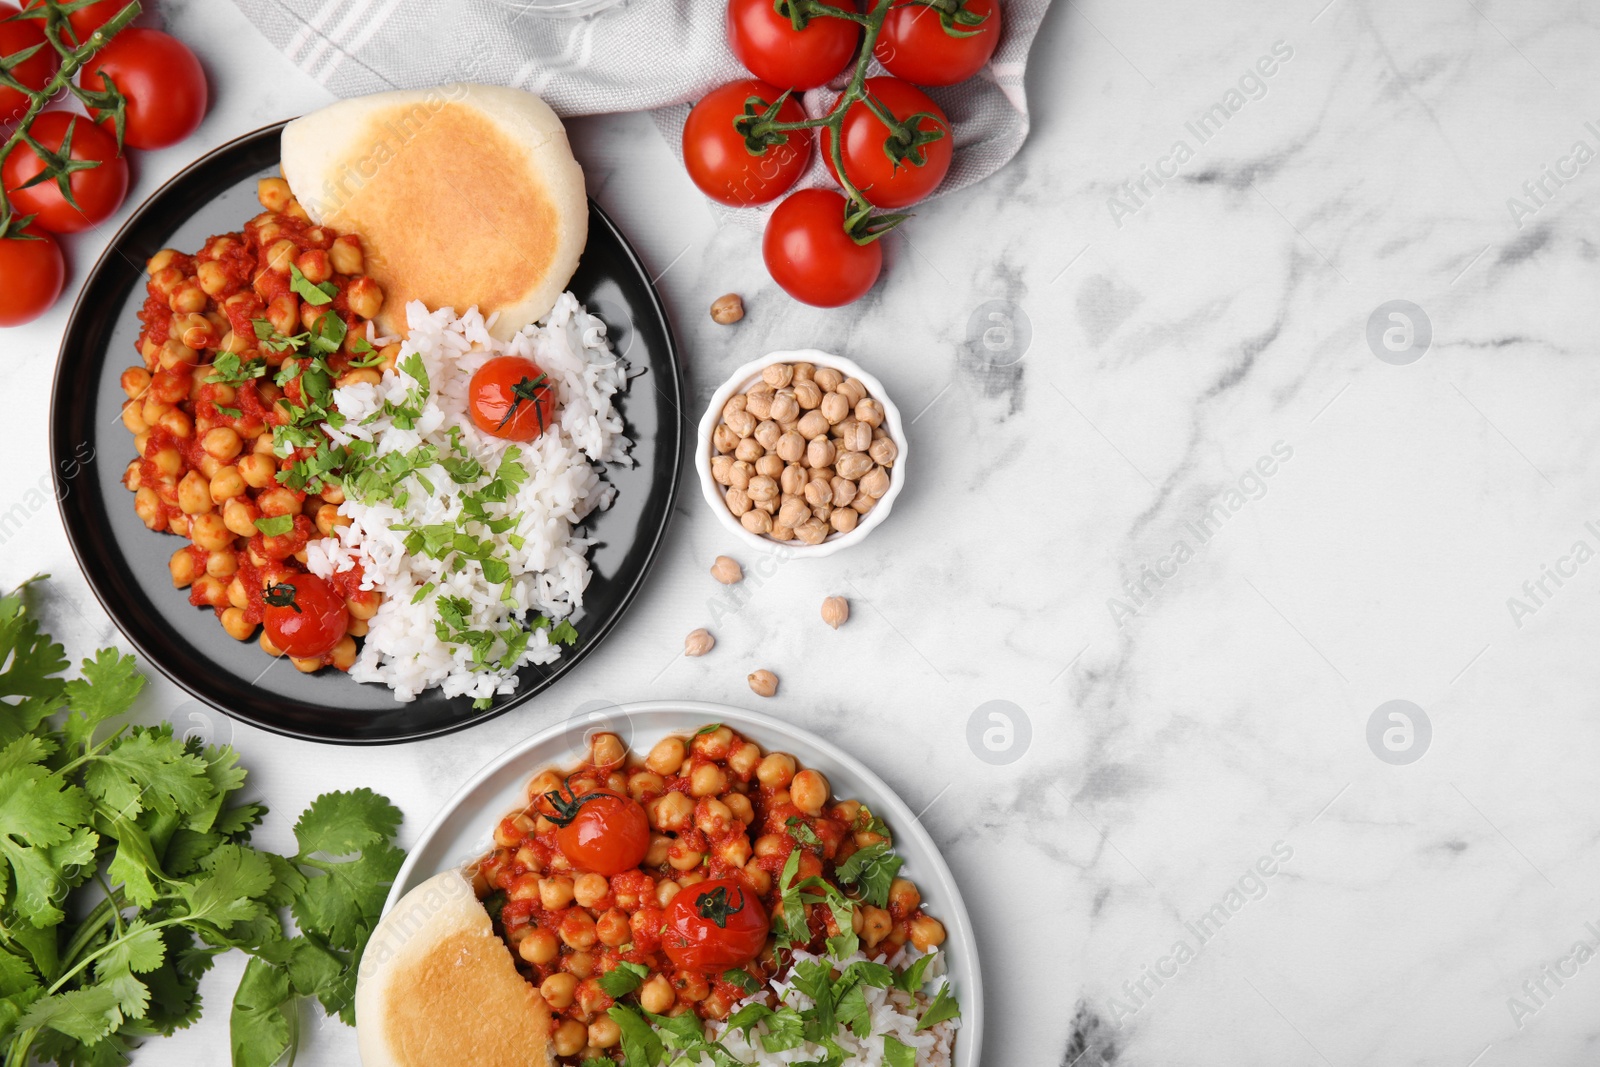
{"x": 463, "y": 195}
{"x": 437, "y": 988}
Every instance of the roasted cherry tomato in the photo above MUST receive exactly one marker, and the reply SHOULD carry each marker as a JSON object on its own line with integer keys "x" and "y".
{"x": 808, "y": 253}
{"x": 722, "y": 161}
{"x": 304, "y": 616}
{"x": 773, "y": 50}
{"x": 713, "y": 926}
{"x": 933, "y": 46}
{"x": 85, "y": 20}
{"x": 510, "y": 397}
{"x": 98, "y": 190}
{"x": 35, "y": 71}
{"x": 892, "y": 174}
{"x": 162, "y": 79}
{"x": 32, "y": 272}
{"x": 600, "y": 831}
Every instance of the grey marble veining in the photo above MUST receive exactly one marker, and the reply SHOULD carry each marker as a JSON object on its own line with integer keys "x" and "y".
{"x": 1196, "y": 507}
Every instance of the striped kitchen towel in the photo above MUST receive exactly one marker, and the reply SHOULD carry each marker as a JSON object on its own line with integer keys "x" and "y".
{"x": 656, "y": 55}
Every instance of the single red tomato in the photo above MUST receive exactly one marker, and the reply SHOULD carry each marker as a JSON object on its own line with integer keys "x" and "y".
{"x": 304, "y": 616}
{"x": 98, "y": 190}
{"x": 773, "y": 50}
{"x": 928, "y": 46}
{"x": 721, "y": 160}
{"x": 510, "y": 397}
{"x": 87, "y": 19}
{"x": 713, "y": 926}
{"x": 808, "y": 253}
{"x": 32, "y": 272}
{"x": 162, "y": 79}
{"x": 890, "y": 174}
{"x": 600, "y": 831}
{"x": 35, "y": 71}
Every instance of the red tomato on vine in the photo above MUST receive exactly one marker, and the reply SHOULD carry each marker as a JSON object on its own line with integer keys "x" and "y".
{"x": 893, "y": 168}
{"x": 770, "y": 47}
{"x": 85, "y": 20}
{"x": 32, "y": 272}
{"x": 732, "y": 168}
{"x": 600, "y": 831}
{"x": 304, "y": 616}
{"x": 35, "y": 71}
{"x": 163, "y": 83}
{"x": 938, "y": 43}
{"x": 98, "y": 178}
{"x": 809, "y": 254}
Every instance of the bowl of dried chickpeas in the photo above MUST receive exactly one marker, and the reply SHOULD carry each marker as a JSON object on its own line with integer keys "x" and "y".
{"x": 801, "y": 450}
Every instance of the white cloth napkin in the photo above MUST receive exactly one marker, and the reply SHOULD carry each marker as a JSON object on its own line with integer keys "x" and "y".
{"x": 656, "y": 55}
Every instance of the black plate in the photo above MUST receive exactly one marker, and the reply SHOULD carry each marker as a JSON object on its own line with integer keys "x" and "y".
{"x": 126, "y": 564}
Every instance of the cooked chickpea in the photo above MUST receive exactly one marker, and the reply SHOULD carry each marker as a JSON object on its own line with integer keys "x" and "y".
{"x": 558, "y": 990}
{"x": 926, "y": 933}
{"x": 276, "y": 502}
{"x": 209, "y": 532}
{"x": 809, "y": 791}
{"x": 364, "y": 604}
{"x": 273, "y": 193}
{"x": 590, "y": 889}
{"x": 222, "y": 443}
{"x": 875, "y": 925}
{"x": 224, "y": 564}
{"x": 656, "y": 854}
{"x": 343, "y": 655}
{"x": 714, "y": 745}
{"x": 577, "y": 929}
{"x": 538, "y": 947}
{"x": 740, "y": 807}
{"x": 346, "y": 256}
{"x": 176, "y": 423}
{"x": 684, "y": 859}
{"x": 606, "y": 750}
{"x": 744, "y": 759}
{"x": 672, "y": 812}
{"x": 657, "y": 996}
{"x": 612, "y": 928}
{"x": 713, "y": 817}
{"x": 182, "y": 568}
{"x": 364, "y": 297}
{"x": 239, "y": 516}
{"x": 555, "y": 892}
{"x": 642, "y": 785}
{"x": 735, "y": 852}
{"x": 258, "y": 470}
{"x": 604, "y": 1032}
{"x": 666, "y": 757}
{"x": 707, "y": 780}
{"x": 904, "y": 896}
{"x": 236, "y": 625}
{"x": 315, "y": 265}
{"x": 776, "y": 770}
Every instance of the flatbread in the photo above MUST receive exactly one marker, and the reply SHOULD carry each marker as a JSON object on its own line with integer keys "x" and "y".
{"x": 437, "y": 988}
{"x": 463, "y": 195}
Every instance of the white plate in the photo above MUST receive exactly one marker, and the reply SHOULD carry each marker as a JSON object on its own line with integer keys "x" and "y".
{"x": 463, "y": 829}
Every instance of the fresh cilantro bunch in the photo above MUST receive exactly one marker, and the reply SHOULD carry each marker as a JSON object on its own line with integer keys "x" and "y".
{"x": 126, "y": 868}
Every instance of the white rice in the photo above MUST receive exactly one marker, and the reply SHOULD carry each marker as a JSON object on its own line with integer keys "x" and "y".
{"x": 550, "y": 570}
{"x": 894, "y": 1012}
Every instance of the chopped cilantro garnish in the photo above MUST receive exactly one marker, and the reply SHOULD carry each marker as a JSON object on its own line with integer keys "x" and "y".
{"x": 623, "y": 979}
{"x": 312, "y": 293}
{"x": 232, "y": 413}
{"x": 229, "y": 369}
{"x": 872, "y": 870}
{"x": 276, "y": 526}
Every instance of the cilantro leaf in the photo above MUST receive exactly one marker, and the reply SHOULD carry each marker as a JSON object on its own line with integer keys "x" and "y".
{"x": 148, "y": 768}
{"x": 107, "y": 688}
{"x": 641, "y": 1047}
{"x": 872, "y": 870}
{"x": 314, "y": 294}
{"x": 340, "y": 823}
{"x": 898, "y": 1054}
{"x": 261, "y": 1024}
{"x": 342, "y": 905}
{"x": 623, "y": 979}
{"x": 276, "y": 526}
{"x": 911, "y": 979}
{"x": 943, "y": 1007}
{"x": 741, "y": 978}
{"x": 239, "y": 877}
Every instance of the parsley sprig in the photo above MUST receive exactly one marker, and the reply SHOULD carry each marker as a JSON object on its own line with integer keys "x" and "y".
{"x": 126, "y": 868}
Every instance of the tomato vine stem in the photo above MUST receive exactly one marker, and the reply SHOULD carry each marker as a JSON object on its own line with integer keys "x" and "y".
{"x": 54, "y": 15}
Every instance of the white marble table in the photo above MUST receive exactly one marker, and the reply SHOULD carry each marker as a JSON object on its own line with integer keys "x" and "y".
{"x": 1090, "y": 535}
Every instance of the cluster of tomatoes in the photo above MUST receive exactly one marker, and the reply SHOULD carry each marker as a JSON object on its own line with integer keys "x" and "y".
{"x": 163, "y": 98}
{"x": 748, "y": 142}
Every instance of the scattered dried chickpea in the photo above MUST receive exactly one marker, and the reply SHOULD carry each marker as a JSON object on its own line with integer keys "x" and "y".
{"x": 726, "y": 570}
{"x": 763, "y": 683}
{"x": 835, "y": 610}
{"x": 727, "y": 309}
{"x": 699, "y": 642}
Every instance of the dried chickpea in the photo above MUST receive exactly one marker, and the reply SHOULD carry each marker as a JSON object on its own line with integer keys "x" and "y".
{"x": 793, "y": 479}
{"x": 884, "y": 452}
{"x": 844, "y": 519}
{"x": 875, "y": 482}
{"x": 721, "y": 467}
{"x": 808, "y": 394}
{"x": 763, "y": 683}
{"x": 757, "y": 522}
{"x": 834, "y": 408}
{"x": 770, "y": 466}
{"x": 811, "y": 532}
{"x": 727, "y": 309}
{"x": 777, "y": 375}
{"x": 726, "y": 570}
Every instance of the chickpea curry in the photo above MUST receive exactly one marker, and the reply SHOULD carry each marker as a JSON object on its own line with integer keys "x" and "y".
{"x": 682, "y": 884}
{"x": 242, "y": 343}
